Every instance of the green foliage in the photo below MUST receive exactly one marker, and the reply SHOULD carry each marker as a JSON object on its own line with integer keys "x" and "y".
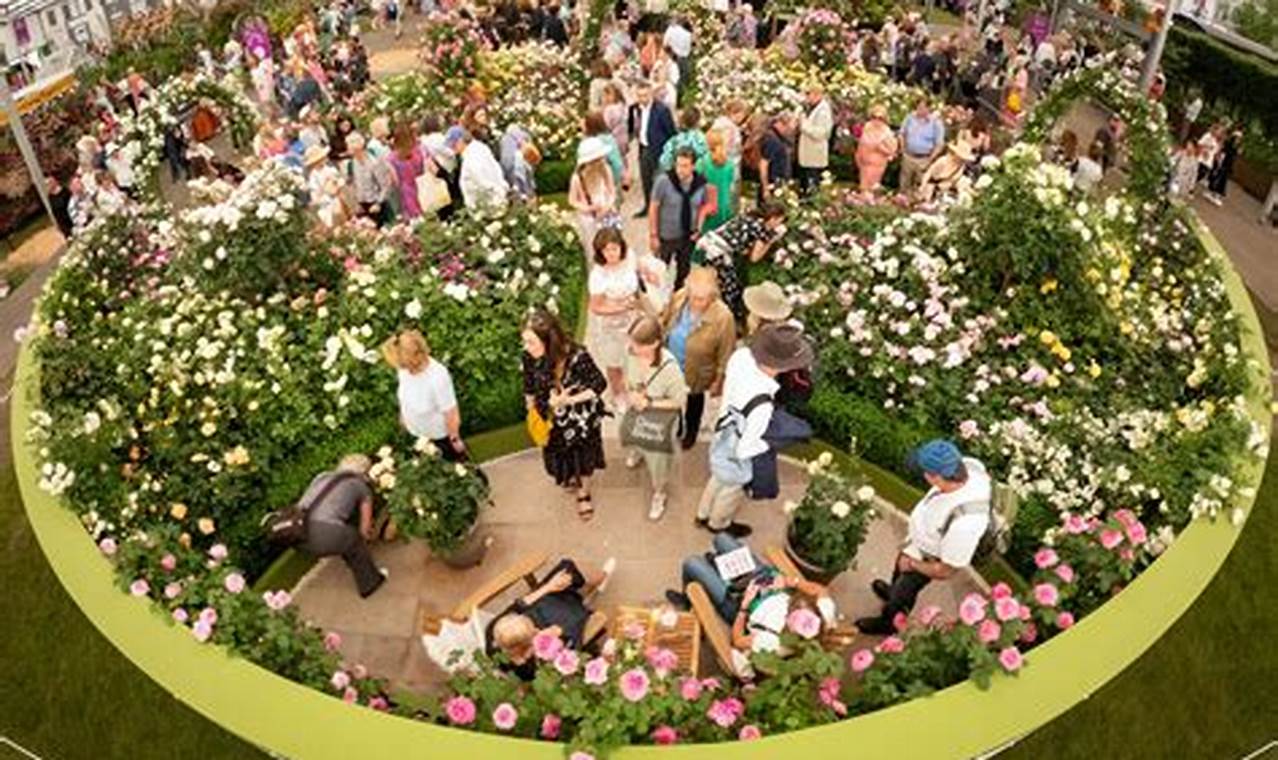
{"x": 431, "y": 498}
{"x": 1258, "y": 20}
{"x": 1223, "y": 75}
{"x": 828, "y": 525}
{"x": 553, "y": 176}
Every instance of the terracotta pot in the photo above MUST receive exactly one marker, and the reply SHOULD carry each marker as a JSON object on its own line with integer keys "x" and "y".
{"x": 470, "y": 552}
{"x": 811, "y": 571}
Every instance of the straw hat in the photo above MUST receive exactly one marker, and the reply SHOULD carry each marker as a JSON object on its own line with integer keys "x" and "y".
{"x": 961, "y": 149}
{"x": 316, "y": 154}
{"x": 781, "y": 347}
{"x": 591, "y": 149}
{"x": 767, "y": 301}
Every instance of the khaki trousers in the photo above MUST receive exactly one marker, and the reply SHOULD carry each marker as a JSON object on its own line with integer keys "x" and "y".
{"x": 719, "y": 503}
{"x": 912, "y": 168}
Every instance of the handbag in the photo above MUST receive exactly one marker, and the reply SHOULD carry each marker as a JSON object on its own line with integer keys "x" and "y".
{"x": 538, "y": 428}
{"x": 432, "y": 193}
{"x": 651, "y": 429}
{"x": 287, "y": 526}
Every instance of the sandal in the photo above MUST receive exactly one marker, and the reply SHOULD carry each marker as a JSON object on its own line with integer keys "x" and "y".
{"x": 585, "y": 513}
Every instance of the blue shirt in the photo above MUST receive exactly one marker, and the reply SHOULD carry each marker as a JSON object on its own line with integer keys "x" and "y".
{"x": 678, "y": 340}
{"x": 922, "y": 136}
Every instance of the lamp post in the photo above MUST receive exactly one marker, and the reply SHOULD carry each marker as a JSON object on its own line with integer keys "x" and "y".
{"x": 1155, "y": 53}
{"x": 10, "y": 109}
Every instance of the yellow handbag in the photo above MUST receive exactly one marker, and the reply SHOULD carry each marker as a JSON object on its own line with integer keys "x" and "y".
{"x": 538, "y": 428}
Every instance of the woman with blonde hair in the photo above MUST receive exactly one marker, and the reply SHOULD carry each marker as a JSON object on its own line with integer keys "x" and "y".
{"x": 720, "y": 172}
{"x": 592, "y": 191}
{"x": 427, "y": 400}
{"x": 654, "y": 381}
{"x": 876, "y": 148}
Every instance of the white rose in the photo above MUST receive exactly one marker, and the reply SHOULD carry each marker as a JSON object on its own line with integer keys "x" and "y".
{"x": 413, "y": 309}
{"x": 865, "y": 493}
{"x": 840, "y": 509}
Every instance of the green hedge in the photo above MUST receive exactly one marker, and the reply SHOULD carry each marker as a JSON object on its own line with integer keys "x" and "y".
{"x": 553, "y": 176}
{"x": 879, "y": 437}
{"x": 1247, "y": 83}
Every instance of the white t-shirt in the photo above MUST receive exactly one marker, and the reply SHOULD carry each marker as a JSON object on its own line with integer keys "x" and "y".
{"x": 424, "y": 400}
{"x": 1087, "y": 174}
{"x": 615, "y": 282}
{"x": 957, "y": 545}
{"x": 767, "y": 621}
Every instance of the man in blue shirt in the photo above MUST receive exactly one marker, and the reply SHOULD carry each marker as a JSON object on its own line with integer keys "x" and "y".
{"x": 923, "y": 138}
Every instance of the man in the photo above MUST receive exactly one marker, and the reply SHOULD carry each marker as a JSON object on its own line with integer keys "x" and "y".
{"x": 775, "y": 156}
{"x": 749, "y": 386}
{"x": 678, "y": 40}
{"x": 945, "y": 528}
{"x": 339, "y": 520}
{"x": 701, "y": 334}
{"x": 681, "y": 201}
{"x": 60, "y": 203}
{"x": 119, "y": 163}
{"x": 923, "y": 137}
{"x": 371, "y": 179}
{"x": 1108, "y": 136}
{"x": 815, "y": 129}
{"x": 652, "y": 123}
{"x": 553, "y": 28}
{"x": 483, "y": 184}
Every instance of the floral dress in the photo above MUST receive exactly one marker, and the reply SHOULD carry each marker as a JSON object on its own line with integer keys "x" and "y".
{"x": 724, "y": 247}
{"x": 575, "y": 449}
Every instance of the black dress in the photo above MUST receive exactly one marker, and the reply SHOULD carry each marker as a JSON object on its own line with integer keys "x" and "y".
{"x": 575, "y": 448}
{"x": 734, "y": 242}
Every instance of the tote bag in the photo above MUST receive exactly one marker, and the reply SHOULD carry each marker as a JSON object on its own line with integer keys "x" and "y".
{"x": 432, "y": 193}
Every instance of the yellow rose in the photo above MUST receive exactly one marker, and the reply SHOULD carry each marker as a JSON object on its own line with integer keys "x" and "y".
{"x": 1094, "y": 369}
{"x": 1047, "y": 287}
{"x": 205, "y": 525}
{"x": 1047, "y": 337}
{"x": 1052, "y": 381}
{"x": 178, "y": 510}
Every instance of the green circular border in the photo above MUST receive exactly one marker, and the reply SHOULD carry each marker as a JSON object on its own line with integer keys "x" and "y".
{"x": 295, "y": 721}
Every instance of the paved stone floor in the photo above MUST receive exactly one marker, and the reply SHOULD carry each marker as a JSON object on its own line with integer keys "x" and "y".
{"x": 533, "y": 515}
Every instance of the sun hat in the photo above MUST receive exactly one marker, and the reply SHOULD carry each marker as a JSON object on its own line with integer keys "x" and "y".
{"x": 591, "y": 149}
{"x": 938, "y": 457}
{"x": 781, "y": 347}
{"x": 314, "y": 155}
{"x": 961, "y": 149}
{"x": 767, "y": 301}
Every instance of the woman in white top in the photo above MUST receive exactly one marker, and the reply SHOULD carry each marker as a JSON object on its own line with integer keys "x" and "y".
{"x": 592, "y": 191}
{"x": 427, "y": 400}
{"x": 1090, "y": 171}
{"x": 614, "y": 301}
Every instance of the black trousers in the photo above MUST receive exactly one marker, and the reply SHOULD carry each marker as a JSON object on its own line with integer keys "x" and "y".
{"x": 809, "y": 179}
{"x": 905, "y": 588}
{"x": 695, "y": 407}
{"x": 680, "y": 251}
{"x": 325, "y": 539}
{"x": 648, "y": 162}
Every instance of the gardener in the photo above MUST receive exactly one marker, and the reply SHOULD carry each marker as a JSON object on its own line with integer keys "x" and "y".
{"x": 339, "y": 520}
{"x": 945, "y": 528}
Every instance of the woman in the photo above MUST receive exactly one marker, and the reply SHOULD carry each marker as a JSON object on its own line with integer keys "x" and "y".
{"x": 337, "y": 148}
{"x": 594, "y": 125}
{"x": 944, "y": 174}
{"x": 427, "y": 400}
{"x": 689, "y": 136}
{"x": 875, "y": 149}
{"x": 409, "y": 163}
{"x": 721, "y": 173}
{"x": 616, "y": 115}
{"x": 262, "y": 72}
{"x": 654, "y": 381}
{"x": 977, "y": 136}
{"x": 591, "y": 191}
{"x": 600, "y": 80}
{"x": 614, "y": 300}
{"x": 747, "y": 237}
{"x": 1218, "y": 179}
{"x": 1089, "y": 170}
{"x": 564, "y": 385}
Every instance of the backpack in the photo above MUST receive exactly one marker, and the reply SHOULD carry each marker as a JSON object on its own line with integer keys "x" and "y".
{"x": 287, "y": 526}
{"x": 1001, "y": 509}
{"x": 724, "y": 464}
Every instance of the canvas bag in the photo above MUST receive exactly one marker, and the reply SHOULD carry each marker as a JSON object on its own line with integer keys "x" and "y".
{"x": 651, "y": 429}
{"x": 287, "y": 526}
{"x": 724, "y": 464}
{"x": 432, "y": 193}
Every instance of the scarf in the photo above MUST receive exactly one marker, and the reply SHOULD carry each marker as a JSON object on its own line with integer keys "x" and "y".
{"x": 685, "y": 196}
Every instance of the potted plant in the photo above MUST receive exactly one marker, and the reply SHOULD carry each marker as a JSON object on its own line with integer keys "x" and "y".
{"x": 435, "y": 500}
{"x": 828, "y": 525}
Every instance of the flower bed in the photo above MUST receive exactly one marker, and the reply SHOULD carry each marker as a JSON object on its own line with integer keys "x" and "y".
{"x": 539, "y": 87}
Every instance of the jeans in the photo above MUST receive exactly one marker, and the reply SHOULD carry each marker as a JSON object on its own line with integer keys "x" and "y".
{"x": 701, "y": 570}
{"x": 696, "y": 406}
{"x": 680, "y": 250}
{"x": 325, "y": 539}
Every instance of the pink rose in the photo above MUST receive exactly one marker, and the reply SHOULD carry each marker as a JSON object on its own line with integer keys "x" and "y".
{"x": 1046, "y": 594}
{"x": 1110, "y": 538}
{"x": 1025, "y": 612}
{"x": 989, "y": 631}
{"x": 634, "y": 631}
{"x": 1074, "y": 524}
{"x": 1125, "y": 517}
{"x": 139, "y": 587}
{"x": 862, "y": 659}
{"x": 929, "y": 614}
{"x": 1001, "y": 590}
{"x": 172, "y": 590}
{"x": 596, "y": 671}
{"x": 379, "y": 703}
{"x": 900, "y": 622}
{"x": 566, "y": 662}
{"x": 332, "y": 641}
{"x": 710, "y": 683}
{"x": 107, "y": 546}
{"x": 891, "y": 645}
{"x": 1007, "y": 608}
{"x": 1064, "y": 620}
{"x": 546, "y": 645}
{"x": 749, "y": 732}
{"x": 234, "y": 583}
{"x": 1030, "y": 634}
{"x": 359, "y": 671}
{"x": 550, "y": 725}
{"x": 340, "y": 680}
{"x": 208, "y": 615}
{"x": 277, "y": 600}
{"x": 505, "y": 716}
{"x": 690, "y": 689}
{"x": 1065, "y": 573}
{"x": 1011, "y": 660}
{"x": 1137, "y": 534}
{"x": 202, "y": 630}
{"x": 969, "y": 429}
{"x": 218, "y": 552}
{"x": 168, "y": 562}
{"x": 662, "y": 660}
{"x": 664, "y": 735}
{"x": 634, "y": 684}
{"x": 581, "y": 756}
{"x": 724, "y": 712}
{"x": 1045, "y": 558}
{"x": 972, "y": 608}
{"x": 460, "y": 711}
{"x": 180, "y": 615}
{"x": 351, "y": 695}
{"x": 804, "y": 622}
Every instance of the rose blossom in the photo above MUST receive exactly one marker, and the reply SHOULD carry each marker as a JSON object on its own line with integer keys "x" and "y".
{"x": 900, "y": 622}
{"x": 664, "y": 735}
{"x": 662, "y": 660}
{"x": 172, "y": 590}
{"x": 546, "y": 645}
{"x": 168, "y": 562}
{"x": 1137, "y": 534}
{"x": 596, "y": 671}
{"x": 566, "y": 662}
{"x": 277, "y": 600}
{"x": 972, "y": 608}
{"x": 340, "y": 680}
{"x": 139, "y": 587}
{"x": 1065, "y": 573}
{"x": 690, "y": 689}
{"x": 804, "y": 622}
{"x": 234, "y": 583}
{"x": 891, "y": 645}
{"x": 1064, "y": 620}
{"x": 180, "y": 615}
{"x": 550, "y": 726}
{"x": 929, "y": 614}
{"x": 724, "y": 712}
{"x": 378, "y": 703}
{"x": 989, "y": 631}
{"x": 208, "y": 615}
{"x": 749, "y": 732}
{"x": 460, "y": 711}
{"x": 1007, "y": 608}
{"x": 862, "y": 659}
{"x": 1046, "y": 594}
{"x": 351, "y": 695}
{"x": 202, "y": 630}
{"x": 505, "y": 716}
{"x": 1000, "y": 590}
{"x": 1074, "y": 524}
{"x": 332, "y": 641}
{"x": 1045, "y": 558}
{"x": 218, "y": 552}
{"x": 1110, "y": 538}
{"x": 107, "y": 546}
{"x": 634, "y": 684}
{"x": 1011, "y": 660}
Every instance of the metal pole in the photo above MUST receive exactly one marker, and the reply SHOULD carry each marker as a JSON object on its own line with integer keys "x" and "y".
{"x": 1155, "y": 52}
{"x": 24, "y": 145}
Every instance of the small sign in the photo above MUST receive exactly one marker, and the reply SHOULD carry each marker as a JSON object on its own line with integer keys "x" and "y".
{"x": 735, "y": 563}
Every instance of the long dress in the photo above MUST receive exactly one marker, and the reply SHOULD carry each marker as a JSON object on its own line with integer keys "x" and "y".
{"x": 407, "y": 172}
{"x": 876, "y": 148}
{"x": 575, "y": 448}
{"x": 723, "y": 177}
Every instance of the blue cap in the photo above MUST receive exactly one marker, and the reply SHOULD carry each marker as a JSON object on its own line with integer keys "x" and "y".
{"x": 939, "y": 457}
{"x": 454, "y": 134}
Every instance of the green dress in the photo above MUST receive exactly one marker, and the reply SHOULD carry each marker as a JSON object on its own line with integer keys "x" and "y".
{"x": 723, "y": 177}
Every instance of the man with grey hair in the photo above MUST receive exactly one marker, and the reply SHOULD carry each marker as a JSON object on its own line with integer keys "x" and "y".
{"x": 339, "y": 520}
{"x": 371, "y": 180}
{"x": 483, "y": 183}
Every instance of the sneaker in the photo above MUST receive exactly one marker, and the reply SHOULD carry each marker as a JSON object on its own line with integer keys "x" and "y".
{"x": 609, "y": 567}
{"x": 875, "y": 626}
{"x": 679, "y": 600}
{"x": 738, "y": 530}
{"x": 658, "y": 507}
{"x": 881, "y": 588}
{"x": 633, "y": 459}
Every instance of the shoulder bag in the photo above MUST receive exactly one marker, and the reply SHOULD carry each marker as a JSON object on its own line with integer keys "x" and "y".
{"x": 651, "y": 429}
{"x": 287, "y": 526}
